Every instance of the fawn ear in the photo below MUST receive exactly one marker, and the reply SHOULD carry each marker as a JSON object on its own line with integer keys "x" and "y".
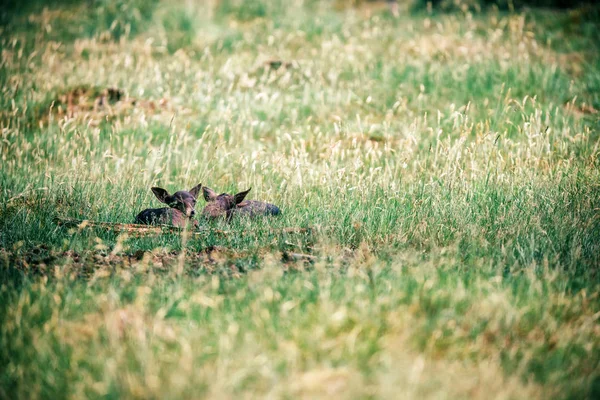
{"x": 209, "y": 194}
{"x": 161, "y": 194}
{"x": 195, "y": 190}
{"x": 238, "y": 198}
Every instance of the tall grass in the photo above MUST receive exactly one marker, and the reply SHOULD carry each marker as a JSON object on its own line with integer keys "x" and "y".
{"x": 447, "y": 166}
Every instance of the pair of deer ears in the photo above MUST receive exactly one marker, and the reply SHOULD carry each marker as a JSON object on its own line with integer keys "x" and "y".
{"x": 162, "y": 195}
{"x": 211, "y": 195}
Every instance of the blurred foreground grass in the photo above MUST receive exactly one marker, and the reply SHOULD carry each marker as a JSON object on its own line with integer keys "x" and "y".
{"x": 447, "y": 165}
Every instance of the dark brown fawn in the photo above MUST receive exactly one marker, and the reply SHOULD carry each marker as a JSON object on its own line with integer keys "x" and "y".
{"x": 180, "y": 212}
{"x": 226, "y": 205}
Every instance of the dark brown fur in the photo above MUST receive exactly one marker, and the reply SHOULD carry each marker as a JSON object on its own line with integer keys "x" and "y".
{"x": 226, "y": 205}
{"x": 180, "y": 212}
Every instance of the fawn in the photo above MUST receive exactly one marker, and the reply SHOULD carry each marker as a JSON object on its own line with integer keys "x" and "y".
{"x": 179, "y": 213}
{"x": 226, "y": 205}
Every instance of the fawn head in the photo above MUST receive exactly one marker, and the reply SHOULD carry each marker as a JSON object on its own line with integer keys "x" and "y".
{"x": 182, "y": 201}
{"x": 221, "y": 204}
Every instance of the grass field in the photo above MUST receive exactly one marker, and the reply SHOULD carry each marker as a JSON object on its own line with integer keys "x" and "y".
{"x": 447, "y": 167}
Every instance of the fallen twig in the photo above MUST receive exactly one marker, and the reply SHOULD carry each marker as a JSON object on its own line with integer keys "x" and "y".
{"x": 141, "y": 230}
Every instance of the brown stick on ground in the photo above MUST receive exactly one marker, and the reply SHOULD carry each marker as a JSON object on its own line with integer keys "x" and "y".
{"x": 141, "y": 230}
{"x": 117, "y": 227}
